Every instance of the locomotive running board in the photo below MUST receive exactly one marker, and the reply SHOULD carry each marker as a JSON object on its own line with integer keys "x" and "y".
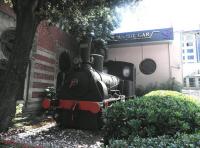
{"x": 108, "y": 102}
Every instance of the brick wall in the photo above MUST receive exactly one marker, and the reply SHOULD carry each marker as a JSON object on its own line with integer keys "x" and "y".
{"x": 50, "y": 41}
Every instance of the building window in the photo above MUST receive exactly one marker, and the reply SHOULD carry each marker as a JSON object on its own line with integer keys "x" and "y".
{"x": 183, "y": 51}
{"x": 147, "y": 66}
{"x": 183, "y": 57}
{"x": 189, "y": 37}
{"x": 189, "y": 43}
{"x": 182, "y": 44}
{"x": 199, "y": 82}
{"x": 184, "y": 82}
{"x": 192, "y": 82}
{"x": 191, "y": 57}
{"x": 190, "y": 51}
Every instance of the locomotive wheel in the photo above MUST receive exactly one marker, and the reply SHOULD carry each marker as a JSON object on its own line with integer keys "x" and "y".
{"x": 63, "y": 119}
{"x": 81, "y": 119}
{"x": 100, "y": 120}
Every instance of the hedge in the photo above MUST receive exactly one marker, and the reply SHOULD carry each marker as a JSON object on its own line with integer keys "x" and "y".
{"x": 155, "y": 114}
{"x": 178, "y": 141}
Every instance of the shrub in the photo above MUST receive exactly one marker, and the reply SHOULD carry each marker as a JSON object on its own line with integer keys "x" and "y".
{"x": 118, "y": 144}
{"x": 49, "y": 92}
{"x": 19, "y": 108}
{"x": 178, "y": 141}
{"x": 155, "y": 114}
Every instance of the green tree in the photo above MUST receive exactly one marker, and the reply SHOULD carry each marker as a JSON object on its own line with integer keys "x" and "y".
{"x": 74, "y": 16}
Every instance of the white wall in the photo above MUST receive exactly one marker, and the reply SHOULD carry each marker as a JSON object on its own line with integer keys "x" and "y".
{"x": 159, "y": 52}
{"x": 190, "y": 68}
{"x": 176, "y": 58}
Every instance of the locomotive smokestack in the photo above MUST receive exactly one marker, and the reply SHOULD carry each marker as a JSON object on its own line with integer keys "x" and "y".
{"x": 85, "y": 51}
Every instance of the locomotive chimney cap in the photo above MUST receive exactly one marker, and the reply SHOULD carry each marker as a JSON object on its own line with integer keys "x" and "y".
{"x": 91, "y": 34}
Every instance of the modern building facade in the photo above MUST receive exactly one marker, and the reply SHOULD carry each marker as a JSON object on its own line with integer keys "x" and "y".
{"x": 190, "y": 42}
{"x": 156, "y": 54}
{"x": 192, "y": 81}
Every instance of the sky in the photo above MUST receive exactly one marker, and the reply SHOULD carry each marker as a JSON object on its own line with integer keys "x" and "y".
{"x": 155, "y": 14}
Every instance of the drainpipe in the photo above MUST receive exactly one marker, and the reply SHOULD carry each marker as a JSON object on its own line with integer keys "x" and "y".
{"x": 169, "y": 57}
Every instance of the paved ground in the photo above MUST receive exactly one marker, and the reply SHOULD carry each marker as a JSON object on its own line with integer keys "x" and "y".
{"x": 48, "y": 135}
{"x": 195, "y": 93}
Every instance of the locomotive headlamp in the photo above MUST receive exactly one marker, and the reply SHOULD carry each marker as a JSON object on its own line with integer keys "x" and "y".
{"x": 76, "y": 60}
{"x": 126, "y": 71}
{"x": 105, "y": 70}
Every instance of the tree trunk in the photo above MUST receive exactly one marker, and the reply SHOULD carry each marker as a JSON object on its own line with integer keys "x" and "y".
{"x": 25, "y": 30}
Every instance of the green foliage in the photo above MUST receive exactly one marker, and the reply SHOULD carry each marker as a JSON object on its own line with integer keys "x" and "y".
{"x": 178, "y": 141}
{"x": 155, "y": 114}
{"x": 19, "y": 109}
{"x": 118, "y": 144}
{"x": 170, "y": 84}
{"x": 49, "y": 92}
{"x": 80, "y": 17}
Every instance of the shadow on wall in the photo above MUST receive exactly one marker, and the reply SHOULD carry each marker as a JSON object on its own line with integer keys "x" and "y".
{"x": 170, "y": 84}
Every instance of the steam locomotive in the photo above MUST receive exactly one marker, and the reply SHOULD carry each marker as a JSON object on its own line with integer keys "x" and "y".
{"x": 87, "y": 87}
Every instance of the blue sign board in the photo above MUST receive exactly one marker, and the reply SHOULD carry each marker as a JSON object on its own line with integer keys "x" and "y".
{"x": 165, "y": 34}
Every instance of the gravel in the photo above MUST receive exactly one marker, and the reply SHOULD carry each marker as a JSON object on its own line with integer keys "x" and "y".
{"x": 48, "y": 135}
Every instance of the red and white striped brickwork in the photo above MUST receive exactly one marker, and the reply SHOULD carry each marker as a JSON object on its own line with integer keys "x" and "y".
{"x": 50, "y": 41}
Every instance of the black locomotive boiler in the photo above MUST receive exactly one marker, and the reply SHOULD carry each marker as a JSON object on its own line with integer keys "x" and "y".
{"x": 87, "y": 87}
